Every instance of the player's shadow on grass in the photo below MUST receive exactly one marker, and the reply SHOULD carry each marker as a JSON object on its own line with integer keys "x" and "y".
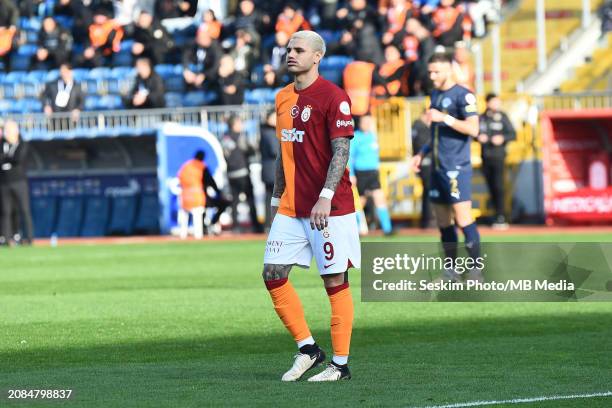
{"x": 444, "y": 338}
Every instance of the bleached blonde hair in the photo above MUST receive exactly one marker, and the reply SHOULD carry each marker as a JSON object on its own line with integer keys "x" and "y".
{"x": 313, "y": 39}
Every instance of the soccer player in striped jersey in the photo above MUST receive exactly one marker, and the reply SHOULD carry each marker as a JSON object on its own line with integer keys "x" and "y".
{"x": 312, "y": 206}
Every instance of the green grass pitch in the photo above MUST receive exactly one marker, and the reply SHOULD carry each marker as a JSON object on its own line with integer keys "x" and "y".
{"x": 191, "y": 325}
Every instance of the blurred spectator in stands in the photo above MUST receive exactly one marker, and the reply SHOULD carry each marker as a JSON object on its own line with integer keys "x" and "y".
{"x": 31, "y": 8}
{"x": 275, "y": 60}
{"x": 391, "y": 78}
{"x": 126, "y": 13}
{"x": 463, "y": 69}
{"x": 54, "y": 46}
{"x": 211, "y": 25}
{"x": 407, "y": 42}
{"x": 64, "y": 95}
{"x": 419, "y": 82}
{"x": 148, "y": 91}
{"x": 605, "y": 13}
{"x": 291, "y": 20}
{"x": 450, "y": 24}
{"x": 359, "y": 39}
{"x": 201, "y": 61}
{"x": 14, "y": 189}
{"x": 481, "y": 12}
{"x": 9, "y": 19}
{"x": 82, "y": 17}
{"x": 237, "y": 151}
{"x": 245, "y": 52}
{"x": 230, "y": 82}
{"x": 248, "y": 18}
{"x": 151, "y": 39}
{"x": 175, "y": 8}
{"x": 396, "y": 15}
{"x": 495, "y": 131}
{"x": 105, "y": 36}
{"x": 421, "y": 136}
{"x": 269, "y": 149}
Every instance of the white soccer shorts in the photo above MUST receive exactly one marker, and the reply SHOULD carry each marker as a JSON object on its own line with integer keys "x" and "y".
{"x": 292, "y": 242}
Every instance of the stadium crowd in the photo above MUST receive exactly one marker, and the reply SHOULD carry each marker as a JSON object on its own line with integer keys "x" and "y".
{"x": 244, "y": 49}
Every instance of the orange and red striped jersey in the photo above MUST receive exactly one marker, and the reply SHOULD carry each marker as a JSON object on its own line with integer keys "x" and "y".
{"x": 307, "y": 120}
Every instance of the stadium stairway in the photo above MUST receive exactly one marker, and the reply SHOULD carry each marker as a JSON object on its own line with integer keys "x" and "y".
{"x": 594, "y": 75}
{"x": 519, "y": 39}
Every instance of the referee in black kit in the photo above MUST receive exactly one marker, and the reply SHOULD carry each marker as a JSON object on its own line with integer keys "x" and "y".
{"x": 13, "y": 185}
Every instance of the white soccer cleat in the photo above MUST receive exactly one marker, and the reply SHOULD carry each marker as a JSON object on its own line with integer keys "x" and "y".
{"x": 303, "y": 363}
{"x": 332, "y": 373}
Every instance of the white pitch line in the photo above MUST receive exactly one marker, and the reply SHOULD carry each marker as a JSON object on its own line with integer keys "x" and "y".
{"x": 522, "y": 400}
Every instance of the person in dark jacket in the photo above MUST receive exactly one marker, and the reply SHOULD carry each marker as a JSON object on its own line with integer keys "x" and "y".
{"x": 231, "y": 83}
{"x": 269, "y": 149}
{"x": 360, "y": 39}
{"x": 201, "y": 61}
{"x": 151, "y": 39}
{"x": 495, "y": 131}
{"x": 148, "y": 91}
{"x": 54, "y": 45}
{"x": 14, "y": 188}
{"x": 63, "y": 95}
{"x": 237, "y": 151}
{"x": 421, "y": 136}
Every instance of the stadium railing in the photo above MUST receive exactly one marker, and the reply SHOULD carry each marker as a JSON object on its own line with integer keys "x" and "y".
{"x": 91, "y": 124}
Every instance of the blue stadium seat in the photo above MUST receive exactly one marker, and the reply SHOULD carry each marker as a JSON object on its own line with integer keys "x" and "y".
{"x": 333, "y": 74}
{"x": 5, "y": 106}
{"x": 173, "y": 99}
{"x": 217, "y": 128}
{"x": 32, "y": 88}
{"x": 123, "y": 58}
{"x": 69, "y": 217}
{"x": 111, "y": 102}
{"x": 199, "y": 98}
{"x": 175, "y": 83}
{"x": 123, "y": 210}
{"x": 28, "y": 105}
{"x": 91, "y": 103}
{"x": 64, "y": 21}
{"x": 43, "y": 215}
{"x": 260, "y": 96}
{"x": 33, "y": 24}
{"x": 165, "y": 70}
{"x": 95, "y": 218}
{"x": 330, "y": 36}
{"x": 335, "y": 61}
{"x": 147, "y": 220}
{"x": 257, "y": 74}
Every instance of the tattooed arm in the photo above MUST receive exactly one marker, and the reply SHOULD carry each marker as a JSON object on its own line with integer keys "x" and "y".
{"x": 279, "y": 184}
{"x": 320, "y": 212}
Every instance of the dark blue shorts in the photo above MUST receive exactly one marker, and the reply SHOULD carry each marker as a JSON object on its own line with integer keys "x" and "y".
{"x": 451, "y": 187}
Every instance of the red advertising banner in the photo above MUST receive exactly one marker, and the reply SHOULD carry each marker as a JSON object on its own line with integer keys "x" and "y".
{"x": 577, "y": 146}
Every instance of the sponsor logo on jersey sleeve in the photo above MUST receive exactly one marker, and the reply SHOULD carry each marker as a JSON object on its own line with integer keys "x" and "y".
{"x": 344, "y": 123}
{"x": 470, "y": 99}
{"x": 345, "y": 108}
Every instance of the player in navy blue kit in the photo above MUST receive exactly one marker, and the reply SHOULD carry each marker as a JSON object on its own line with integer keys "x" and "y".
{"x": 454, "y": 122}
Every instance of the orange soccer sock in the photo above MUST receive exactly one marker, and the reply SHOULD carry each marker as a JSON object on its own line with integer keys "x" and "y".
{"x": 341, "y": 302}
{"x": 289, "y": 308}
